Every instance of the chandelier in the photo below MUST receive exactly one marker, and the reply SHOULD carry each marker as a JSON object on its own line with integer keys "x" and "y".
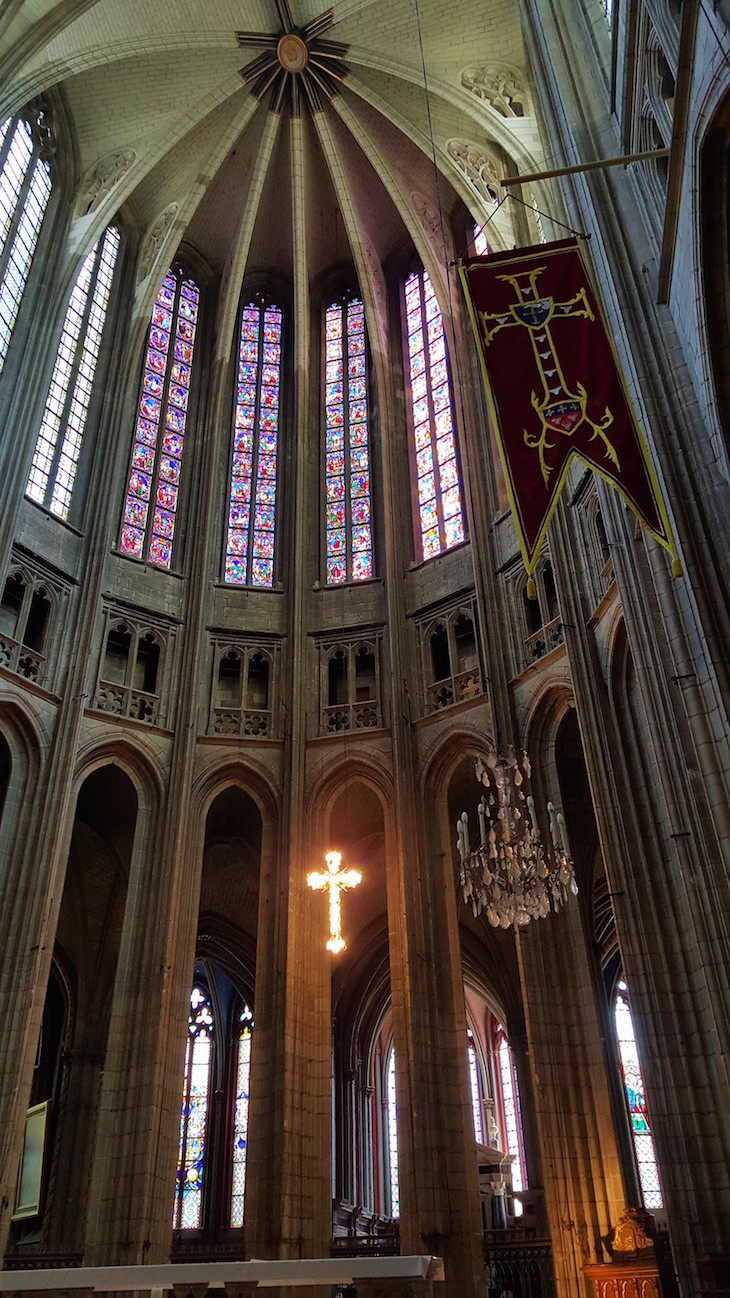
{"x": 512, "y": 875}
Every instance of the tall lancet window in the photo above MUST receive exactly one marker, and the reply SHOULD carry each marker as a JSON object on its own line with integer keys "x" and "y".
{"x": 441, "y": 524}
{"x": 188, "y": 1210}
{"x": 240, "y": 1118}
{"x": 153, "y": 487}
{"x": 481, "y": 247}
{"x": 347, "y": 456}
{"x": 475, "y": 1087}
{"x": 251, "y": 531}
{"x": 25, "y": 188}
{"x": 638, "y": 1115}
{"x": 58, "y": 446}
{"x": 511, "y": 1115}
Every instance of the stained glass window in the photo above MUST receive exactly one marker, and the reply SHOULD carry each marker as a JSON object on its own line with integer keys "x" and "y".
{"x": 347, "y": 455}
{"x": 481, "y": 247}
{"x": 251, "y": 529}
{"x": 25, "y": 188}
{"x": 152, "y": 499}
{"x": 441, "y": 523}
{"x": 512, "y": 1120}
{"x": 636, "y": 1100}
{"x": 194, "y": 1112}
{"x": 476, "y": 1097}
{"x": 393, "y": 1137}
{"x": 240, "y": 1121}
{"x": 58, "y": 446}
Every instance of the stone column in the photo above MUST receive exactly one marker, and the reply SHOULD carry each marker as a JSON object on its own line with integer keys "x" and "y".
{"x": 133, "y": 1178}
{"x": 31, "y": 891}
{"x": 578, "y": 1152}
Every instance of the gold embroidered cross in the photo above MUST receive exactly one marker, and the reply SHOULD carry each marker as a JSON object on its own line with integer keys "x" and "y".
{"x": 560, "y": 410}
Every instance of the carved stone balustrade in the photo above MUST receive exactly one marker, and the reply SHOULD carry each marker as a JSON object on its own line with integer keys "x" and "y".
{"x": 125, "y": 701}
{"x": 18, "y": 658}
{"x": 542, "y": 642}
{"x": 455, "y": 689}
{"x": 250, "y": 722}
{"x": 351, "y": 716}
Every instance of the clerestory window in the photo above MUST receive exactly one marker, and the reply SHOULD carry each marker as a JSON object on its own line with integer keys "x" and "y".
{"x": 349, "y": 536}
{"x": 25, "y": 188}
{"x": 152, "y": 500}
{"x": 252, "y": 495}
{"x": 58, "y": 446}
{"x": 438, "y": 487}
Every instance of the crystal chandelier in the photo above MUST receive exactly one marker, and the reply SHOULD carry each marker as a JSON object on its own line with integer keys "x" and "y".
{"x": 511, "y": 875}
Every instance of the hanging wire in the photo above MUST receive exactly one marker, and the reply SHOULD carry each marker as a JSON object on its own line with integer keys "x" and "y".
{"x": 532, "y": 207}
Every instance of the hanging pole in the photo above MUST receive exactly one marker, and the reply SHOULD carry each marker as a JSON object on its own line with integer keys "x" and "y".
{"x": 598, "y": 165}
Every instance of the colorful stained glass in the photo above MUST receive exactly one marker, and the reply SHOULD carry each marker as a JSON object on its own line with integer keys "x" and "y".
{"x": 240, "y": 1121}
{"x": 454, "y": 531}
{"x": 481, "y": 247}
{"x": 362, "y": 565}
{"x": 181, "y": 374}
{"x": 194, "y": 1112}
{"x": 439, "y": 494}
{"x": 166, "y": 381}
{"x": 139, "y": 484}
{"x": 136, "y": 512}
{"x": 143, "y": 457}
{"x": 250, "y": 540}
{"x": 132, "y": 541}
{"x": 645, "y": 1155}
{"x": 156, "y": 360}
{"x": 235, "y": 570}
{"x": 160, "y": 552}
{"x": 336, "y": 572}
{"x": 348, "y": 498}
{"x": 262, "y": 572}
{"x": 167, "y": 498}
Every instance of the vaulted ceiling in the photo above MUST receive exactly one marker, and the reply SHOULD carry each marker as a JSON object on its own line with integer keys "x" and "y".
{"x": 203, "y": 126}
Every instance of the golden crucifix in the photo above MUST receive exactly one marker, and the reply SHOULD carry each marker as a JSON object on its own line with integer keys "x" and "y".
{"x": 335, "y": 879}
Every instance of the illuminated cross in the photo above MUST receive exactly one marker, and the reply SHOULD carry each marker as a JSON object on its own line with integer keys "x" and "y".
{"x": 335, "y": 879}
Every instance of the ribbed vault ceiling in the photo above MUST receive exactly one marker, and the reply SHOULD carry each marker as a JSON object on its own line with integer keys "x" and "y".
{"x": 172, "y": 127}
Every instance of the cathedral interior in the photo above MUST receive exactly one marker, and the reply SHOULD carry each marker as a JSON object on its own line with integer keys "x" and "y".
{"x": 262, "y": 600}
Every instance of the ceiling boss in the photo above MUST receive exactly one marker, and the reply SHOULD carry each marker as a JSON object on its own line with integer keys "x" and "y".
{"x": 336, "y": 880}
{"x": 294, "y": 60}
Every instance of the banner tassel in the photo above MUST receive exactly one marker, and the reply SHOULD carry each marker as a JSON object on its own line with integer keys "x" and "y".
{"x": 532, "y": 588}
{"x": 677, "y": 569}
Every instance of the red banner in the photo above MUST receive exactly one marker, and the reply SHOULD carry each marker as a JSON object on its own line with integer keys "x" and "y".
{"x": 554, "y": 386}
